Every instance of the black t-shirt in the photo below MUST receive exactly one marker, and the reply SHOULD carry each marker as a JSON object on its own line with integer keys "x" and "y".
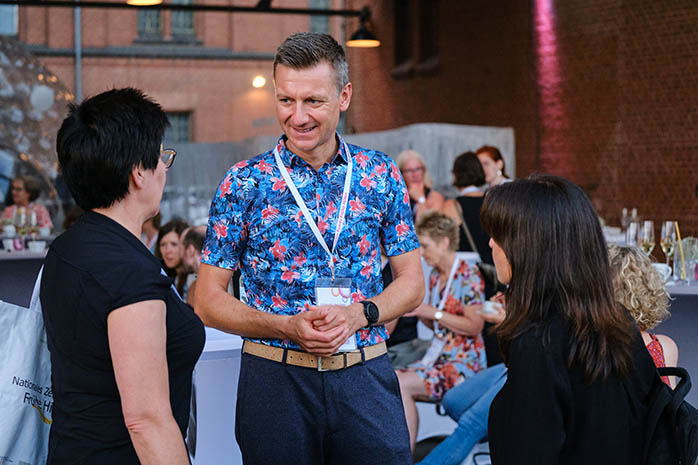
{"x": 546, "y": 413}
{"x": 93, "y": 268}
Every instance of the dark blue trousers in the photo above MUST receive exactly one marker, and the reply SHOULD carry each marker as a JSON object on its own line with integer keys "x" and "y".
{"x": 292, "y": 415}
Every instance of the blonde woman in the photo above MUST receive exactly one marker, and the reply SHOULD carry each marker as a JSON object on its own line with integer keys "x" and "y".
{"x": 639, "y": 287}
{"x": 452, "y": 309}
{"x": 418, "y": 182}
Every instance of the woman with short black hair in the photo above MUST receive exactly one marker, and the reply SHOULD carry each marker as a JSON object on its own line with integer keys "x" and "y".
{"x": 123, "y": 345}
{"x": 578, "y": 371}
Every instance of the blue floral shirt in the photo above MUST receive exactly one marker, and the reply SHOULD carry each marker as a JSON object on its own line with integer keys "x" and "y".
{"x": 255, "y": 222}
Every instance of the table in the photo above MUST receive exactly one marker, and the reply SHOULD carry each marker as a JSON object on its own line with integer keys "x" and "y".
{"x": 681, "y": 289}
{"x": 216, "y": 380}
{"x": 18, "y": 271}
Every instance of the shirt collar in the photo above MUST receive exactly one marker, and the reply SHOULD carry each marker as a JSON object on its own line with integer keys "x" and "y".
{"x": 290, "y": 159}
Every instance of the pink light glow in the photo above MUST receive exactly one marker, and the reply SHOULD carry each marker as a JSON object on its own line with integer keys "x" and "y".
{"x": 553, "y": 116}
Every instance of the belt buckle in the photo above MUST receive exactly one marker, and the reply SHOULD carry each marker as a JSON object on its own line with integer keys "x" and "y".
{"x": 321, "y": 368}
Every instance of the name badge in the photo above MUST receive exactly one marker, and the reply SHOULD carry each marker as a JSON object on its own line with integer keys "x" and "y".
{"x": 336, "y": 291}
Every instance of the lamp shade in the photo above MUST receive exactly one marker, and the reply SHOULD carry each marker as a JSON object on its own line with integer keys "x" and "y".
{"x": 363, "y": 38}
{"x": 144, "y": 2}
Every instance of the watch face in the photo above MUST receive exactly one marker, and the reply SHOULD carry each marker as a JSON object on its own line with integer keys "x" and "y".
{"x": 371, "y": 312}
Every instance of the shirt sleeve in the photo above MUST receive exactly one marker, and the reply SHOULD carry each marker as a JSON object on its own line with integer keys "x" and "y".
{"x": 133, "y": 283}
{"x": 397, "y": 228}
{"x": 226, "y": 227}
{"x": 532, "y": 426}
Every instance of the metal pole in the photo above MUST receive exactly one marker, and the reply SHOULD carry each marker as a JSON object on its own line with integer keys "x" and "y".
{"x": 78, "y": 53}
{"x": 182, "y": 7}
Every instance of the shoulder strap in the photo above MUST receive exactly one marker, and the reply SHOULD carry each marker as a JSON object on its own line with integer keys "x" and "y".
{"x": 663, "y": 401}
{"x": 464, "y": 227}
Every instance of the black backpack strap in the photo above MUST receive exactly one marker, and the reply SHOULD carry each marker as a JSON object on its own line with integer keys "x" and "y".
{"x": 679, "y": 394}
{"x": 664, "y": 400}
{"x": 682, "y": 388}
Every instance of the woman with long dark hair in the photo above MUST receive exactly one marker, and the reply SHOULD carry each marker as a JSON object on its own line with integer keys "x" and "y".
{"x": 578, "y": 370}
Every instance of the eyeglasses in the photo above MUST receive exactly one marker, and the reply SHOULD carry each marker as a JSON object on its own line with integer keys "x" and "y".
{"x": 414, "y": 170}
{"x": 168, "y": 156}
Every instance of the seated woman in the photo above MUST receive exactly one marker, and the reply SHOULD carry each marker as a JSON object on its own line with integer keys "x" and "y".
{"x": 25, "y": 190}
{"x": 469, "y": 405}
{"x": 639, "y": 288}
{"x": 169, "y": 250}
{"x": 454, "y": 296}
{"x": 418, "y": 182}
{"x": 578, "y": 371}
{"x": 123, "y": 345}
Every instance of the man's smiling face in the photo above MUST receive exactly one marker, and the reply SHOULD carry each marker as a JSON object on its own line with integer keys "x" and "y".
{"x": 308, "y": 106}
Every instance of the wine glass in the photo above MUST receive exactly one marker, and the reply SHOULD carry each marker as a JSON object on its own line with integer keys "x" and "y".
{"x": 631, "y": 233}
{"x": 668, "y": 239}
{"x": 646, "y": 236}
{"x": 21, "y": 220}
{"x": 624, "y": 219}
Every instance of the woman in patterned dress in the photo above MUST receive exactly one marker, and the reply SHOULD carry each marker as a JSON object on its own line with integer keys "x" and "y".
{"x": 454, "y": 296}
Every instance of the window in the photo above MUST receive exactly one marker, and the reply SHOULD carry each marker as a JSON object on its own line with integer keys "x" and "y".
{"x": 403, "y": 39}
{"x": 149, "y": 24}
{"x": 8, "y": 20}
{"x": 428, "y": 36}
{"x": 182, "y": 21}
{"x": 180, "y": 128}
{"x": 319, "y": 23}
{"x": 416, "y": 37}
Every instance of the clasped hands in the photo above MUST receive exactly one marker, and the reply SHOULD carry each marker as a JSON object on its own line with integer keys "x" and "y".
{"x": 322, "y": 329}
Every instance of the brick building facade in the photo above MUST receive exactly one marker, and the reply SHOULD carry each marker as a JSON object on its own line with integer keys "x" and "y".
{"x": 199, "y": 66}
{"x": 600, "y": 91}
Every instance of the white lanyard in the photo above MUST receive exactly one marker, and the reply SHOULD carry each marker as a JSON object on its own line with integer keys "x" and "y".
{"x": 446, "y": 290}
{"x": 304, "y": 208}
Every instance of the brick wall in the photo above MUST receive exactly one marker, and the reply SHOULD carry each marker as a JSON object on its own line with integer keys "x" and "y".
{"x": 600, "y": 91}
{"x": 218, "y": 92}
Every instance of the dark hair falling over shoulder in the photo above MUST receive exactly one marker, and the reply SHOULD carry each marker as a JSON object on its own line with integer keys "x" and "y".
{"x": 551, "y": 236}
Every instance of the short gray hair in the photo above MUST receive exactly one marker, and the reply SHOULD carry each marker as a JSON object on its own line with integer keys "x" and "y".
{"x": 306, "y": 49}
{"x": 437, "y": 225}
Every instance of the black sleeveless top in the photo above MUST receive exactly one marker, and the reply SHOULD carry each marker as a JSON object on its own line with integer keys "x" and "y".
{"x": 471, "y": 214}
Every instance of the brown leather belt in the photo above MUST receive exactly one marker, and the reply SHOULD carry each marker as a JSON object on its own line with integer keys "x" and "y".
{"x": 304, "y": 359}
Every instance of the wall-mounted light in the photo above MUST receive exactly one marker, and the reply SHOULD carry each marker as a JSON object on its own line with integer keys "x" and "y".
{"x": 363, "y": 38}
{"x": 259, "y": 82}
{"x": 143, "y": 2}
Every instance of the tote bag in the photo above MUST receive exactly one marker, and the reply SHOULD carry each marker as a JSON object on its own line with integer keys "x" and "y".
{"x": 26, "y": 401}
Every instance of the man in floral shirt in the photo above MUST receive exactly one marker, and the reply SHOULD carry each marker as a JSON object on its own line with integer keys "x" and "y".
{"x": 304, "y": 221}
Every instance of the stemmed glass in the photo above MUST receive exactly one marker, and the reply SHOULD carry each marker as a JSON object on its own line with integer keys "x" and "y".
{"x": 668, "y": 239}
{"x": 646, "y": 236}
{"x": 624, "y": 219}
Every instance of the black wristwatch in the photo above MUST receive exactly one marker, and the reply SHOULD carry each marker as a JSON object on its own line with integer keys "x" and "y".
{"x": 370, "y": 312}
